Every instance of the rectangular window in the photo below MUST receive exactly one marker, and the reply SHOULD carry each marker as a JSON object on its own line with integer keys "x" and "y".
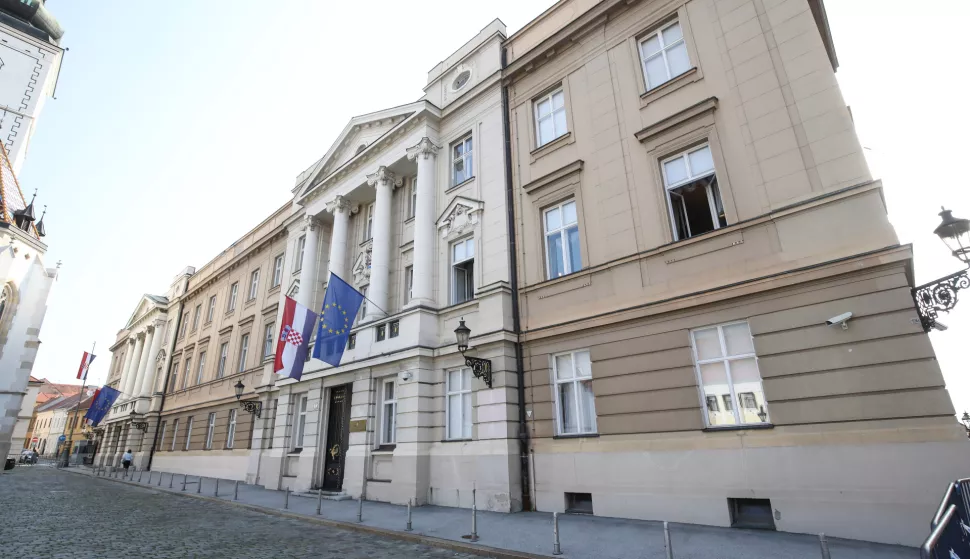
{"x": 381, "y": 332}
{"x": 462, "y": 165}
{"x": 408, "y": 283}
{"x": 209, "y": 430}
{"x": 412, "y": 196}
{"x": 352, "y": 341}
{"x": 196, "y": 316}
{"x": 185, "y": 326}
{"x": 268, "y": 339}
{"x": 223, "y": 358}
{"x": 186, "y": 372}
{"x": 175, "y": 432}
{"x": 728, "y": 371}
{"x": 368, "y": 223}
{"x": 363, "y": 303}
{"x": 277, "y": 271}
{"x": 253, "y": 284}
{"x": 161, "y": 434}
{"x": 693, "y": 198}
{"x": 243, "y": 352}
{"x": 231, "y": 430}
{"x": 389, "y": 414}
{"x": 394, "y": 329}
{"x": 562, "y": 240}
{"x": 574, "y": 393}
{"x": 212, "y": 309}
{"x": 300, "y": 422}
{"x": 233, "y": 291}
{"x": 459, "y": 404}
{"x": 188, "y": 434}
{"x": 663, "y": 55}
{"x": 300, "y": 245}
{"x": 550, "y": 115}
{"x": 462, "y": 271}
{"x": 198, "y": 376}
{"x": 175, "y": 377}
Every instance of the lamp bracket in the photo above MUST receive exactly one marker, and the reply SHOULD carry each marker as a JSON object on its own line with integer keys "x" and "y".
{"x": 140, "y": 425}
{"x": 939, "y": 295}
{"x": 254, "y": 407}
{"x": 481, "y": 368}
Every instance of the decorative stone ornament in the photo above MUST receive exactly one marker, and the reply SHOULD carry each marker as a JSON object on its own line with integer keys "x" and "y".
{"x": 310, "y": 222}
{"x": 362, "y": 266}
{"x": 461, "y": 217}
{"x": 424, "y": 148}
{"x": 384, "y": 177}
{"x": 339, "y": 203}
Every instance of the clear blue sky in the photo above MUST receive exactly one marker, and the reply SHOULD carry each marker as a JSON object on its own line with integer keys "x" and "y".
{"x": 178, "y": 125}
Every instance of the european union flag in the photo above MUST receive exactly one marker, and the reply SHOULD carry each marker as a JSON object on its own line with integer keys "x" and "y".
{"x": 340, "y": 306}
{"x": 102, "y": 403}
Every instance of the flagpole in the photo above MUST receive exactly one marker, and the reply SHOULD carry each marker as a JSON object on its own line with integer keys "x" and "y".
{"x": 77, "y": 409}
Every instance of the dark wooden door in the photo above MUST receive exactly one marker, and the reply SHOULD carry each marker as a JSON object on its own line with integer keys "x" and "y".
{"x": 338, "y": 437}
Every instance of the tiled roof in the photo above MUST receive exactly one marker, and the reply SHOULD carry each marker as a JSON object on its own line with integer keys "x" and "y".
{"x": 11, "y": 197}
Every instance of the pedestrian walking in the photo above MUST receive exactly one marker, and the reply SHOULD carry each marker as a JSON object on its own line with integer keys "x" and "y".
{"x": 126, "y": 460}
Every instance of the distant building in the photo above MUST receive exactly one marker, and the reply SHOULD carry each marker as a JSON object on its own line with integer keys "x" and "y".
{"x": 22, "y": 426}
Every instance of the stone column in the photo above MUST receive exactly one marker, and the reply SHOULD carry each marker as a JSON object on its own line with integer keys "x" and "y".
{"x": 147, "y": 337}
{"x": 340, "y": 208}
{"x": 129, "y": 353}
{"x": 149, "y": 376}
{"x": 424, "y": 222}
{"x": 308, "y": 269}
{"x": 128, "y": 389}
{"x": 383, "y": 182}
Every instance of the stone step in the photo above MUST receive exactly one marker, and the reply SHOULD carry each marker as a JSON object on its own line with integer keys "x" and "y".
{"x": 328, "y": 495}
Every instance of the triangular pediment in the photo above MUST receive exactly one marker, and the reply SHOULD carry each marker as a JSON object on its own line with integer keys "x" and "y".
{"x": 293, "y": 289}
{"x": 361, "y": 267}
{"x": 147, "y": 304}
{"x": 460, "y": 216}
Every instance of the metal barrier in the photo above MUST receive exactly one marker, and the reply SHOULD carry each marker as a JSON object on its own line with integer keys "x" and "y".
{"x": 949, "y": 527}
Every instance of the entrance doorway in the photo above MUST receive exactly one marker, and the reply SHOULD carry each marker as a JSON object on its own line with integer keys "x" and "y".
{"x": 338, "y": 438}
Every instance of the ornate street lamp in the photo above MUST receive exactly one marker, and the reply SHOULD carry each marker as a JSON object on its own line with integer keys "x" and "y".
{"x": 253, "y": 407}
{"x": 140, "y": 425}
{"x": 941, "y": 295}
{"x": 966, "y": 420}
{"x": 481, "y": 368}
{"x": 763, "y": 415}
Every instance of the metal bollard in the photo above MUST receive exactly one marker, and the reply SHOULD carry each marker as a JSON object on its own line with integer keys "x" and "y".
{"x": 409, "y": 516}
{"x": 171, "y": 479}
{"x": 235, "y": 491}
{"x": 139, "y": 475}
{"x": 198, "y": 488}
{"x": 824, "y": 543}
{"x": 319, "y": 500}
{"x": 360, "y": 507}
{"x": 183, "y": 480}
{"x": 286, "y": 499}
{"x": 556, "y": 550}
{"x": 670, "y": 551}
{"x": 216, "y": 494}
{"x": 474, "y": 536}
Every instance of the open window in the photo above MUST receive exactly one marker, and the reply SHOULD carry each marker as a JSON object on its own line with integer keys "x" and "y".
{"x": 693, "y": 196}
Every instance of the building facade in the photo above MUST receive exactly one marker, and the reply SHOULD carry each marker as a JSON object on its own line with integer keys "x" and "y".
{"x": 22, "y": 427}
{"x": 693, "y": 214}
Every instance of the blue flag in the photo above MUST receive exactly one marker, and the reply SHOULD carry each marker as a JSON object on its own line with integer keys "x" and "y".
{"x": 103, "y": 400}
{"x": 340, "y": 306}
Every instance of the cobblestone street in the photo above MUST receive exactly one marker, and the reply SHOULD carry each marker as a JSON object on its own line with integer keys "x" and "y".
{"x": 52, "y": 514}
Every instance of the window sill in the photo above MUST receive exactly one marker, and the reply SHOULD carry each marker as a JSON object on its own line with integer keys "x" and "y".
{"x": 578, "y": 436}
{"x": 275, "y": 288}
{"x": 670, "y": 86}
{"x": 754, "y": 426}
{"x": 230, "y": 311}
{"x": 457, "y": 440}
{"x": 409, "y": 220}
{"x": 379, "y": 480}
{"x": 384, "y": 449}
{"x": 459, "y": 185}
{"x": 552, "y": 146}
{"x": 295, "y": 452}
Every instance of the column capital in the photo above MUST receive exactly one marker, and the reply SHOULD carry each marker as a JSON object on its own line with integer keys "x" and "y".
{"x": 384, "y": 177}
{"x": 424, "y": 148}
{"x": 311, "y": 222}
{"x": 338, "y": 204}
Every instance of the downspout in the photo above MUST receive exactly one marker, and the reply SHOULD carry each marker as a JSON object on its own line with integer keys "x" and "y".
{"x": 168, "y": 374}
{"x": 514, "y": 279}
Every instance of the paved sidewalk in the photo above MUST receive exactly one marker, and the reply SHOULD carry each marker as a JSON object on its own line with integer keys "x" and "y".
{"x": 531, "y": 532}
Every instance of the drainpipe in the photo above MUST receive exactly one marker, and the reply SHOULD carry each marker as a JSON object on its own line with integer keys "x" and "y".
{"x": 168, "y": 374}
{"x": 516, "y": 323}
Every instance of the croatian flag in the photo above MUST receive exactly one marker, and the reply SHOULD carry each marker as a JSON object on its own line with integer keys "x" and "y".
{"x": 294, "y": 341}
{"x": 82, "y": 371}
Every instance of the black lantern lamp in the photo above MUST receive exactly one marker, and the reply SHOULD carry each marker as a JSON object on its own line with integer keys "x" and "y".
{"x": 140, "y": 425}
{"x": 481, "y": 368}
{"x": 763, "y": 415}
{"x": 254, "y": 407}
{"x": 941, "y": 295}
{"x": 966, "y": 420}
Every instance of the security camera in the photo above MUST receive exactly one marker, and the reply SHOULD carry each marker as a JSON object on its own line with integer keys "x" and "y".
{"x": 842, "y": 319}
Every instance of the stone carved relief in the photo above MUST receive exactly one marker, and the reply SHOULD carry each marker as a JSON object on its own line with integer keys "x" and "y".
{"x": 361, "y": 269}
{"x": 460, "y": 220}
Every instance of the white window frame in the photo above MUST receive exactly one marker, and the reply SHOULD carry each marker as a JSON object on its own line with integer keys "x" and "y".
{"x": 254, "y": 284}
{"x": 233, "y": 291}
{"x": 662, "y": 53}
{"x": 575, "y": 380}
{"x": 243, "y": 351}
{"x": 277, "y": 270}
{"x": 368, "y": 223}
{"x": 231, "y": 429}
{"x": 408, "y": 283}
{"x": 196, "y": 316}
{"x": 412, "y": 196}
{"x": 161, "y": 435}
{"x": 175, "y": 376}
{"x": 300, "y": 248}
{"x": 212, "y": 309}
{"x": 735, "y": 402}
{"x": 363, "y": 302}
{"x": 201, "y": 368}
{"x": 223, "y": 359}
{"x": 210, "y": 428}
{"x": 268, "y": 334}
{"x": 468, "y": 242}
{"x": 389, "y": 412}
{"x": 563, "y": 229}
{"x": 186, "y": 371}
{"x": 467, "y": 159}
{"x": 691, "y": 177}
{"x": 188, "y": 433}
{"x": 175, "y": 433}
{"x": 459, "y": 392}
{"x": 552, "y": 115}
{"x": 302, "y": 403}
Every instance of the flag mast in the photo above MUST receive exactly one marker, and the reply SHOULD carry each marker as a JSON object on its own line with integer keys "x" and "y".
{"x": 77, "y": 409}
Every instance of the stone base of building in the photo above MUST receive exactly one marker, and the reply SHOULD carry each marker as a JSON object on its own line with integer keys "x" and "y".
{"x": 223, "y": 464}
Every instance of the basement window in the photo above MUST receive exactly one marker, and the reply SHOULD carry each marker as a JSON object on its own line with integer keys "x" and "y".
{"x": 579, "y": 503}
{"x": 693, "y": 196}
{"x": 751, "y": 513}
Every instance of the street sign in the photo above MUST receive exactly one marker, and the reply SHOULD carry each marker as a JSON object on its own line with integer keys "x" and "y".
{"x": 61, "y": 439}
